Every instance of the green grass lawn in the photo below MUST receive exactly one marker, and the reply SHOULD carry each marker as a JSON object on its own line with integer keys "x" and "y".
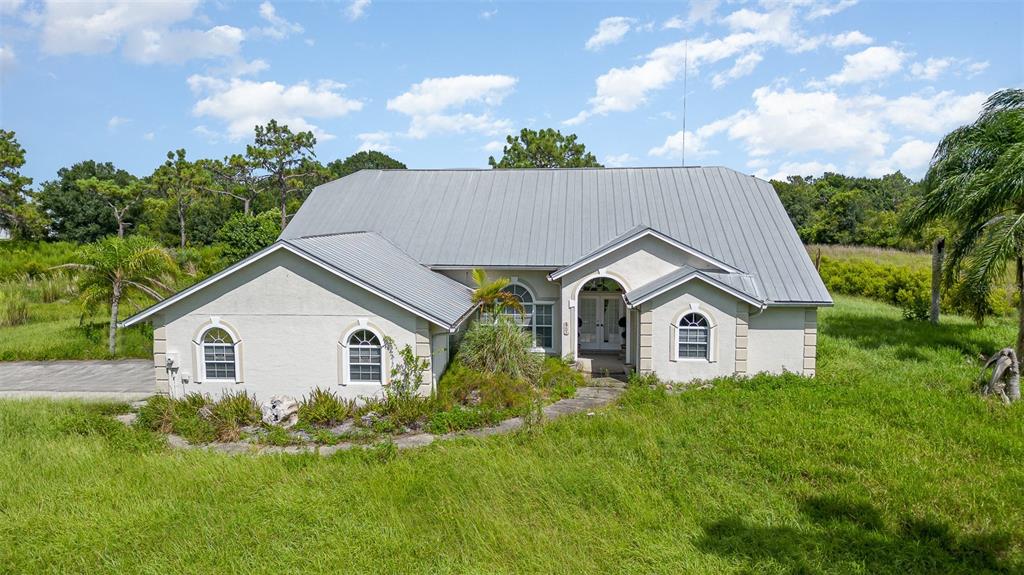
{"x": 886, "y": 462}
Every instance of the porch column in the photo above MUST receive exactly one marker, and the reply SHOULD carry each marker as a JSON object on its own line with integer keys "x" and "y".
{"x": 646, "y": 359}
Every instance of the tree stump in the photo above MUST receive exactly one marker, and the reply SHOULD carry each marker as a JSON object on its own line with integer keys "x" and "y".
{"x": 1005, "y": 380}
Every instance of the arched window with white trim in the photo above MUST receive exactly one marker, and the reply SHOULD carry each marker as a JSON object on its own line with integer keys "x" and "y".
{"x": 219, "y": 357}
{"x": 364, "y": 357}
{"x": 694, "y": 337}
{"x": 537, "y": 318}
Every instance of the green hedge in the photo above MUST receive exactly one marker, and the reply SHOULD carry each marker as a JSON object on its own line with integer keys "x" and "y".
{"x": 902, "y": 286}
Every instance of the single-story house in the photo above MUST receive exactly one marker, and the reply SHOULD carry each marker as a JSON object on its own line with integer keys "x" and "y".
{"x": 689, "y": 273}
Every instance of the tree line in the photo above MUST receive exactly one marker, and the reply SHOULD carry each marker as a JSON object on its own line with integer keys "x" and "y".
{"x": 183, "y": 201}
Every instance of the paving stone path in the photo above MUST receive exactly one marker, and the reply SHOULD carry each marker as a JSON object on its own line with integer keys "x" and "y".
{"x": 600, "y": 392}
{"x": 119, "y": 380}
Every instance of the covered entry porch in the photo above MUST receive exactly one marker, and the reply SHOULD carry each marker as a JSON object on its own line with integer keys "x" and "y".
{"x": 604, "y": 329}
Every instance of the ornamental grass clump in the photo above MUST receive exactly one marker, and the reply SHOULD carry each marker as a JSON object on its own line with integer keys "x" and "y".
{"x": 500, "y": 346}
{"x": 323, "y": 407}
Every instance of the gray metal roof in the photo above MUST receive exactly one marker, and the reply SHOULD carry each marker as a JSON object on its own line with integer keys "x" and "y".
{"x": 549, "y": 218}
{"x": 376, "y": 262}
{"x": 744, "y": 284}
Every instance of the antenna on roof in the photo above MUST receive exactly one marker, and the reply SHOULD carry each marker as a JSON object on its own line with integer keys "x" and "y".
{"x": 686, "y": 61}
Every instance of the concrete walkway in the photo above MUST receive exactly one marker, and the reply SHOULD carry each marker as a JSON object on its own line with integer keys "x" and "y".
{"x": 120, "y": 380}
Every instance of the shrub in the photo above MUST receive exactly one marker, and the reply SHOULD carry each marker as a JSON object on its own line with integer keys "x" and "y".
{"x": 559, "y": 378}
{"x": 198, "y": 418}
{"x": 500, "y": 346}
{"x": 233, "y": 411}
{"x": 323, "y": 407}
{"x": 497, "y": 391}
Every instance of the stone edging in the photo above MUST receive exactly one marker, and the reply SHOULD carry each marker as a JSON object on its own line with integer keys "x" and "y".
{"x": 600, "y": 393}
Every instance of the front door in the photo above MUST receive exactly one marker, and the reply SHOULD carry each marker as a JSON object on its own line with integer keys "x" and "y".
{"x": 599, "y": 322}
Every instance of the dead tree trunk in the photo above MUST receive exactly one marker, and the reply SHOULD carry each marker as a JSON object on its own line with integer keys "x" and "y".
{"x": 938, "y": 254}
{"x": 1005, "y": 380}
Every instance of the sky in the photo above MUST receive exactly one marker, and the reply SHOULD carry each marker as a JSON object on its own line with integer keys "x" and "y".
{"x": 772, "y": 88}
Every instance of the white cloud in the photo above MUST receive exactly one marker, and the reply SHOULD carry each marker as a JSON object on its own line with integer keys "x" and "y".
{"x": 826, "y": 9}
{"x": 356, "y": 9}
{"x": 144, "y": 30}
{"x": 789, "y": 121}
{"x": 625, "y": 89}
{"x": 696, "y": 143}
{"x": 975, "y": 68}
{"x": 936, "y": 113}
{"x": 7, "y": 57}
{"x": 619, "y": 160}
{"x": 609, "y": 31}
{"x": 488, "y": 14}
{"x": 913, "y": 156}
{"x": 379, "y": 141}
{"x": 494, "y": 146}
{"x": 874, "y": 63}
{"x": 851, "y": 38}
{"x": 743, "y": 66}
{"x": 149, "y": 136}
{"x": 433, "y": 104}
{"x": 151, "y": 46}
{"x": 243, "y": 68}
{"x": 860, "y": 128}
{"x": 116, "y": 122}
{"x": 787, "y": 169}
{"x": 242, "y": 104}
{"x": 700, "y": 11}
{"x": 931, "y": 68}
{"x": 278, "y": 28}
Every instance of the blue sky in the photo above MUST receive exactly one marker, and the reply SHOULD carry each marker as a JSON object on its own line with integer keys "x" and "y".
{"x": 773, "y": 87}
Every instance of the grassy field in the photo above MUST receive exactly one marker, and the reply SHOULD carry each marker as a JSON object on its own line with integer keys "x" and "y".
{"x": 884, "y": 256}
{"x": 886, "y": 462}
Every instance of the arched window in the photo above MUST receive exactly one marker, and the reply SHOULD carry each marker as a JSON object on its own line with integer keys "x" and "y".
{"x": 537, "y": 318}
{"x": 219, "y": 358}
{"x": 694, "y": 337}
{"x": 364, "y": 357}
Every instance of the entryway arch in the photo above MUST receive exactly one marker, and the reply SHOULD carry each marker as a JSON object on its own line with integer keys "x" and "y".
{"x": 602, "y": 323}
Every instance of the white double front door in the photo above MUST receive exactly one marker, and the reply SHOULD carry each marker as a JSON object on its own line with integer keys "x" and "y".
{"x": 599, "y": 321}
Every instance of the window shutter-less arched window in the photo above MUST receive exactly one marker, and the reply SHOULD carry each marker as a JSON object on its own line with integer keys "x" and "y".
{"x": 364, "y": 357}
{"x": 694, "y": 337}
{"x": 219, "y": 359}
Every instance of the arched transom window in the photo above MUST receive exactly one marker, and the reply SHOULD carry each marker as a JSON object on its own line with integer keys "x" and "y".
{"x": 537, "y": 318}
{"x": 364, "y": 357}
{"x": 219, "y": 358}
{"x": 694, "y": 337}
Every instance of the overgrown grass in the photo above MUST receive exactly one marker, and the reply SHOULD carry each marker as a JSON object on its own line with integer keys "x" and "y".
{"x": 887, "y": 462}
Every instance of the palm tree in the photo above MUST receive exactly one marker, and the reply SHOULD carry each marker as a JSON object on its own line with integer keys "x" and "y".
{"x": 490, "y": 294}
{"x": 976, "y": 182}
{"x": 114, "y": 269}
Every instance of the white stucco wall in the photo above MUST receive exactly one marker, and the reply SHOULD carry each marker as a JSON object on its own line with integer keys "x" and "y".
{"x": 777, "y": 340}
{"x": 665, "y": 312}
{"x": 290, "y": 316}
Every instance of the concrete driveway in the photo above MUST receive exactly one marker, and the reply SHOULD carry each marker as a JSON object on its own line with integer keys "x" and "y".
{"x": 121, "y": 380}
